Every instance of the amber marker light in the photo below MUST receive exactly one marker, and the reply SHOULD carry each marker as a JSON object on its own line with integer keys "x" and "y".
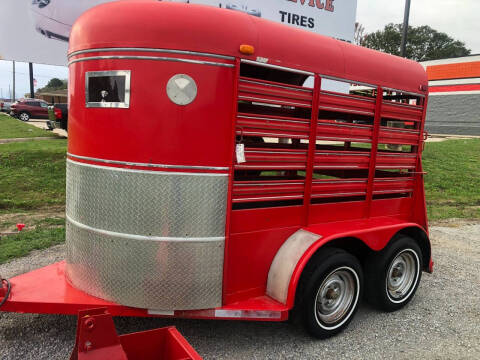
{"x": 247, "y": 49}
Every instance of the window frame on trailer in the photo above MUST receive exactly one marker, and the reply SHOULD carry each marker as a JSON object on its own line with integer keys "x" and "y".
{"x": 121, "y": 104}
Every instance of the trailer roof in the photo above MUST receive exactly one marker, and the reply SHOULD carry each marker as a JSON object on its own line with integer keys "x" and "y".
{"x": 151, "y": 24}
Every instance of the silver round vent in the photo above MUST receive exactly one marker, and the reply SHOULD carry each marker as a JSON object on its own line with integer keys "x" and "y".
{"x": 181, "y": 89}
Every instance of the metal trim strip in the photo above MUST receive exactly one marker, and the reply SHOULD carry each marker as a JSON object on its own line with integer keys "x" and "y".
{"x": 154, "y": 58}
{"x": 143, "y": 237}
{"x": 163, "y": 166}
{"x": 113, "y": 168}
{"x": 166, "y": 51}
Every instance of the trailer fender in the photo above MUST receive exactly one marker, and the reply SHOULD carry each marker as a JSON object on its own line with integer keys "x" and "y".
{"x": 285, "y": 262}
{"x": 296, "y": 251}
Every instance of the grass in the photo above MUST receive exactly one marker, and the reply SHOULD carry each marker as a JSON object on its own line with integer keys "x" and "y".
{"x": 13, "y": 128}
{"x": 24, "y": 242}
{"x": 32, "y": 175}
{"x": 452, "y": 183}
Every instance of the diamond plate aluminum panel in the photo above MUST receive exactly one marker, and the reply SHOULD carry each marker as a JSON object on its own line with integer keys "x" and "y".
{"x": 151, "y": 203}
{"x": 165, "y": 275}
{"x": 147, "y": 239}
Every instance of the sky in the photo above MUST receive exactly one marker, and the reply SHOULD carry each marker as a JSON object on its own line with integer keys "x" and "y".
{"x": 457, "y": 18}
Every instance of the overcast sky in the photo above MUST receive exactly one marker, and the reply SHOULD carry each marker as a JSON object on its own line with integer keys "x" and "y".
{"x": 457, "y": 18}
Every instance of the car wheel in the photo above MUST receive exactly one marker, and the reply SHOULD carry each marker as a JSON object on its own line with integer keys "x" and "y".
{"x": 393, "y": 274}
{"x": 24, "y": 116}
{"x": 332, "y": 291}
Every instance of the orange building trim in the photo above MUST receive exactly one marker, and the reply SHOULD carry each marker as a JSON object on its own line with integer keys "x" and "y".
{"x": 453, "y": 71}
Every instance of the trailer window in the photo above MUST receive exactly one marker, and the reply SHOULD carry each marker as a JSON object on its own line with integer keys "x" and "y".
{"x": 107, "y": 89}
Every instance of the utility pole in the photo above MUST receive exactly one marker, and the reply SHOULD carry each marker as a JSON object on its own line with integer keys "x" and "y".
{"x": 32, "y": 92}
{"x": 403, "y": 46}
{"x": 13, "y": 93}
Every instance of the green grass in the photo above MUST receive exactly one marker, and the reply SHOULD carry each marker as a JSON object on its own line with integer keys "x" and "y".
{"x": 32, "y": 175}
{"x": 452, "y": 183}
{"x": 13, "y": 128}
{"x": 21, "y": 244}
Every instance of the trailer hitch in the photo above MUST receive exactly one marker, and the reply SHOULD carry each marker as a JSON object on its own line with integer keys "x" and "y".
{"x": 97, "y": 338}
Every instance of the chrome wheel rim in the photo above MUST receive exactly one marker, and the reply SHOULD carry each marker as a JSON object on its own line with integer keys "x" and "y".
{"x": 23, "y": 117}
{"x": 402, "y": 275}
{"x": 336, "y": 297}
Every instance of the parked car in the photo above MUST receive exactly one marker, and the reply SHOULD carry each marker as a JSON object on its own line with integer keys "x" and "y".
{"x": 5, "y": 106}
{"x": 58, "y": 116}
{"x": 29, "y": 108}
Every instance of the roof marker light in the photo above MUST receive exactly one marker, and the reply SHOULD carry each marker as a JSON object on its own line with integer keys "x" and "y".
{"x": 247, "y": 49}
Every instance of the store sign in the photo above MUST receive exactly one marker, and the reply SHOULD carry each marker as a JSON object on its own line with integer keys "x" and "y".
{"x": 38, "y": 30}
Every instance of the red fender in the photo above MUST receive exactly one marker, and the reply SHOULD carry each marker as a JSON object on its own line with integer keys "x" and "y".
{"x": 375, "y": 233}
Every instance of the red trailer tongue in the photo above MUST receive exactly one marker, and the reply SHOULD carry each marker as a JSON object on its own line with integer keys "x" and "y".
{"x": 97, "y": 339}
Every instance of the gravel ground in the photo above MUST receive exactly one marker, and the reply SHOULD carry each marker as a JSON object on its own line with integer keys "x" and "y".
{"x": 441, "y": 322}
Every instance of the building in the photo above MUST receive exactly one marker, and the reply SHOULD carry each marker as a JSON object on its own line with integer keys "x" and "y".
{"x": 454, "y": 102}
{"x": 53, "y": 97}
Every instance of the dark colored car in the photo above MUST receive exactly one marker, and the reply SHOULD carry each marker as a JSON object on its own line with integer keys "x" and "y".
{"x": 29, "y": 108}
{"x": 58, "y": 116}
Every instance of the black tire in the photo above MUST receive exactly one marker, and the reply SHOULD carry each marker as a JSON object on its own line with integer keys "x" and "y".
{"x": 327, "y": 273}
{"x": 393, "y": 274}
{"x": 24, "y": 116}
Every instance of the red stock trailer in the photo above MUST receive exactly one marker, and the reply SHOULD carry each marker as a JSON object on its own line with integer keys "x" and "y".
{"x": 223, "y": 166}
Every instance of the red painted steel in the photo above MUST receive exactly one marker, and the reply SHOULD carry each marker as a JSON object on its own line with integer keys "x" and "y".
{"x": 211, "y": 30}
{"x": 97, "y": 338}
{"x": 373, "y": 158}
{"x": 312, "y": 144}
{"x": 374, "y": 232}
{"x": 340, "y": 184}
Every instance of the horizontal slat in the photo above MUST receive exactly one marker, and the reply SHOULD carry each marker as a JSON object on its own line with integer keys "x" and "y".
{"x": 265, "y": 158}
{"x": 326, "y": 159}
{"x": 261, "y": 91}
{"x": 331, "y": 130}
{"x": 389, "y": 135}
{"x": 396, "y": 160}
{"x": 246, "y": 191}
{"x": 328, "y": 188}
{"x": 399, "y": 111}
{"x": 346, "y": 103}
{"x": 393, "y": 185}
{"x": 272, "y": 126}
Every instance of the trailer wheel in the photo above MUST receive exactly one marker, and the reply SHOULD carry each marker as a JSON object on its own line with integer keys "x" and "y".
{"x": 393, "y": 274}
{"x": 333, "y": 286}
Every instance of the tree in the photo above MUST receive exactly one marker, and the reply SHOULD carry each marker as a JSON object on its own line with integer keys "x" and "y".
{"x": 54, "y": 84}
{"x": 423, "y": 43}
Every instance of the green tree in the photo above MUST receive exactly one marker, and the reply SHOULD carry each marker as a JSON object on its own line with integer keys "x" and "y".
{"x": 54, "y": 84}
{"x": 423, "y": 43}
